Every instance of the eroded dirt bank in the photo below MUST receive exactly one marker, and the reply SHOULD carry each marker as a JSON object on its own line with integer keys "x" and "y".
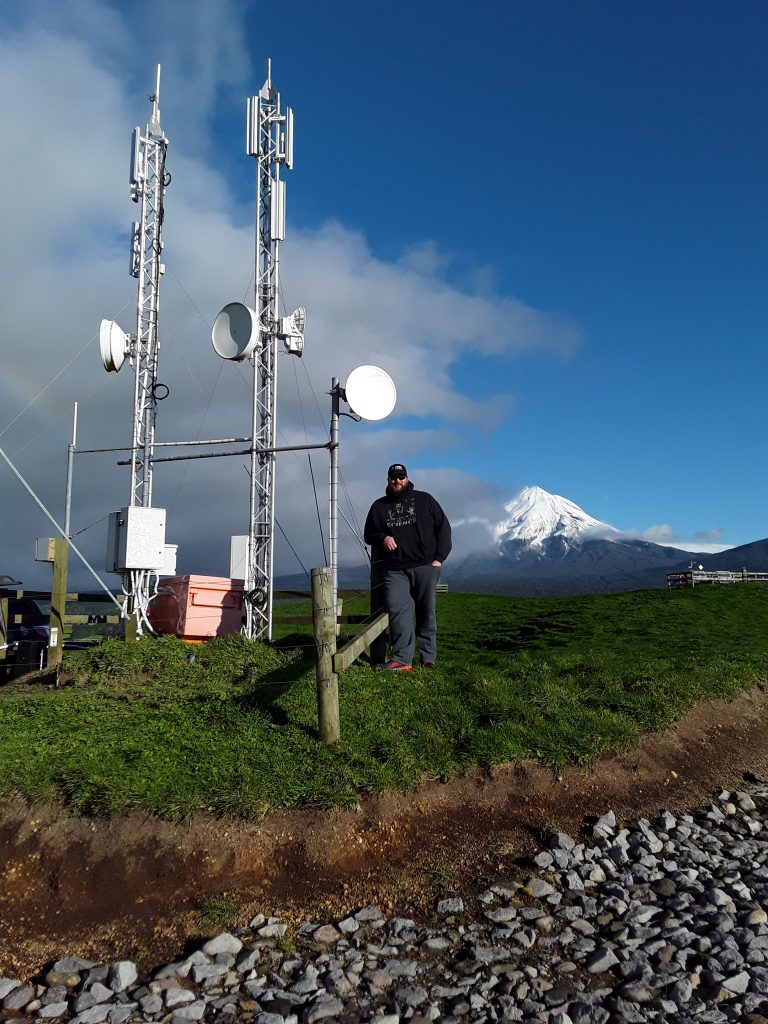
{"x": 134, "y": 887}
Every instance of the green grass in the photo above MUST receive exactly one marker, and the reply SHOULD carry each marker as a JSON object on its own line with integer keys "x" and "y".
{"x": 217, "y": 911}
{"x": 234, "y": 730}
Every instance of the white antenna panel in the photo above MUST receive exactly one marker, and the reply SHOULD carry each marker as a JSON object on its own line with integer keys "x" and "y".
{"x": 371, "y": 392}
{"x": 252, "y": 127}
{"x": 112, "y": 345}
{"x": 288, "y": 139}
{"x": 137, "y": 171}
{"x": 235, "y": 332}
{"x": 277, "y": 211}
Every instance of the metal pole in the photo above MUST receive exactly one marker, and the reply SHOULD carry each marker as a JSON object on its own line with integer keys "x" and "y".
{"x": 333, "y": 525}
{"x": 70, "y": 459}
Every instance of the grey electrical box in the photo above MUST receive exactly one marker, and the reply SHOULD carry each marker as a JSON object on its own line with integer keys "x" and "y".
{"x": 136, "y": 539}
{"x": 169, "y": 560}
{"x": 45, "y": 549}
{"x": 238, "y": 557}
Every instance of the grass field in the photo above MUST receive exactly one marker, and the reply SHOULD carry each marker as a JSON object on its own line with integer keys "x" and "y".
{"x": 234, "y": 729}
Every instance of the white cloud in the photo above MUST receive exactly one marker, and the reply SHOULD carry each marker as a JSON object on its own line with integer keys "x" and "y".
{"x": 664, "y": 534}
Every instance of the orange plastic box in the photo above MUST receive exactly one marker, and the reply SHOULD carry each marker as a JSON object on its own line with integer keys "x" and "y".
{"x": 197, "y": 607}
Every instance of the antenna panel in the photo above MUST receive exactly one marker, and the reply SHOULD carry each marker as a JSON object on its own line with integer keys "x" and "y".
{"x": 288, "y": 139}
{"x": 252, "y": 127}
{"x": 137, "y": 171}
{"x": 235, "y": 332}
{"x": 277, "y": 211}
{"x": 371, "y": 392}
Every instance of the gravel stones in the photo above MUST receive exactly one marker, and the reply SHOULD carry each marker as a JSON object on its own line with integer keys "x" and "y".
{"x": 538, "y": 888}
{"x": 224, "y": 943}
{"x": 7, "y": 985}
{"x": 660, "y": 920}
{"x": 326, "y": 935}
{"x": 450, "y": 906}
{"x": 19, "y": 997}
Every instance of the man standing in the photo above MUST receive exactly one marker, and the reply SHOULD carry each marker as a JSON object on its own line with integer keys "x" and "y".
{"x": 410, "y": 538}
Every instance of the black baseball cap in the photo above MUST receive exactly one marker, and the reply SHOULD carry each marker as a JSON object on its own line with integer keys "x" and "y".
{"x": 397, "y": 469}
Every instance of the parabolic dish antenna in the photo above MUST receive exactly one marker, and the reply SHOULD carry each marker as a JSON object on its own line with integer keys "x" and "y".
{"x": 371, "y": 392}
{"x": 112, "y": 345}
{"x": 235, "y": 332}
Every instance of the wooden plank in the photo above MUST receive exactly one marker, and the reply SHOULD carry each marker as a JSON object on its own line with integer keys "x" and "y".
{"x": 88, "y": 620}
{"x": 98, "y": 597}
{"x": 352, "y": 650}
{"x": 306, "y": 620}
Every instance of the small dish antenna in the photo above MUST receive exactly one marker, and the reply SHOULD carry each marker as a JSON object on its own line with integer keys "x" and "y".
{"x": 235, "y": 332}
{"x": 113, "y": 345}
{"x": 292, "y": 331}
{"x": 370, "y": 392}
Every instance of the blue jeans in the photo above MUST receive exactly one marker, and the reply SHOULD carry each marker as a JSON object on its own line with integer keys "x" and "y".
{"x": 407, "y": 591}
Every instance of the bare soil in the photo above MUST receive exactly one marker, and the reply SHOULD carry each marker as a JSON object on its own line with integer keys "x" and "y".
{"x": 142, "y": 889}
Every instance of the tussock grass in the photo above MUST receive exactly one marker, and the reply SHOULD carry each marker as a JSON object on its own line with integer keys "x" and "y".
{"x": 230, "y": 726}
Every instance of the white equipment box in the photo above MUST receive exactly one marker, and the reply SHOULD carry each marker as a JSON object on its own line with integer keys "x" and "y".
{"x": 136, "y": 539}
{"x": 238, "y": 557}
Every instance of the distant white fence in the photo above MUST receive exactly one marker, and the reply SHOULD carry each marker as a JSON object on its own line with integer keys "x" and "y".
{"x": 697, "y": 577}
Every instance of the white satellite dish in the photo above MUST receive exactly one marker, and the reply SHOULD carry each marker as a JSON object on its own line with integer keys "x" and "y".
{"x": 235, "y": 332}
{"x": 112, "y": 345}
{"x": 371, "y": 392}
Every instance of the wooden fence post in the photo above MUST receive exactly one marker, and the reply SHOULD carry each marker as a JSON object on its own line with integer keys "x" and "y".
{"x": 3, "y": 635}
{"x": 58, "y": 600}
{"x": 324, "y": 630}
{"x": 379, "y": 645}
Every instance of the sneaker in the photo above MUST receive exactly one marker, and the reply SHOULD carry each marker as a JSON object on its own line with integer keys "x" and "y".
{"x": 427, "y": 664}
{"x": 398, "y": 666}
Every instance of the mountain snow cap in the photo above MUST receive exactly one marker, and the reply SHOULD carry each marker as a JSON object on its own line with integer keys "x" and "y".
{"x": 535, "y": 515}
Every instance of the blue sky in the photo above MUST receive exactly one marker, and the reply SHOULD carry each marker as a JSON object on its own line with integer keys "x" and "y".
{"x": 546, "y": 219}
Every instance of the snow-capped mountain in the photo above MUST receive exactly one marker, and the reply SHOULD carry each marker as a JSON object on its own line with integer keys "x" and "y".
{"x": 548, "y": 525}
{"x": 546, "y": 544}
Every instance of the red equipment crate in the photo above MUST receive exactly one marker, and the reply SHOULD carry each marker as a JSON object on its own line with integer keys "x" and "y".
{"x": 197, "y": 607}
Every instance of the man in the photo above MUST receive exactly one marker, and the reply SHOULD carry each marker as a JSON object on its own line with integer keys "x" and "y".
{"x": 410, "y": 538}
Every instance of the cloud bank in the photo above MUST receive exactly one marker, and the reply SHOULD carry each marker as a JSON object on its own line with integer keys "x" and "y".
{"x": 67, "y": 268}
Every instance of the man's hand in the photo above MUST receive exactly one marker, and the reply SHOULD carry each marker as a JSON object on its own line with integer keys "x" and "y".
{"x": 437, "y": 564}
{"x": 390, "y": 543}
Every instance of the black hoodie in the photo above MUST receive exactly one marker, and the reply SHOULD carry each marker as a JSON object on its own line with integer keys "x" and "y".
{"x": 417, "y": 523}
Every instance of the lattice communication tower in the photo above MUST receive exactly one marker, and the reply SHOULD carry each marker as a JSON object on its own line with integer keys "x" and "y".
{"x": 148, "y": 183}
{"x": 269, "y": 138}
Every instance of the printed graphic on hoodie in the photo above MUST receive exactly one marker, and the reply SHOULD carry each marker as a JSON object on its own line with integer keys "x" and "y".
{"x": 401, "y": 513}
